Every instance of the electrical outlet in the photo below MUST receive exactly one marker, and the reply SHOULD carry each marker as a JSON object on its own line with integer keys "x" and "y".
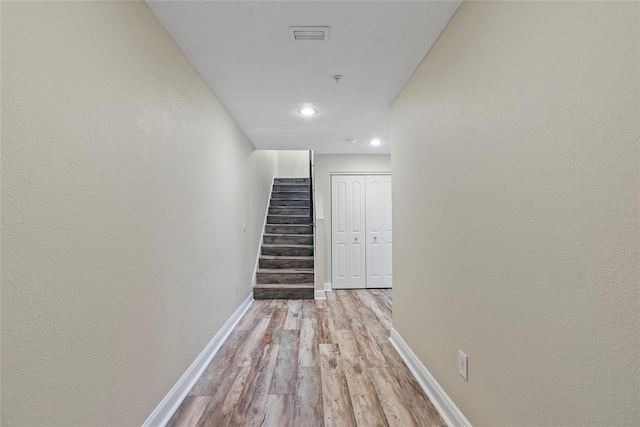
{"x": 244, "y": 226}
{"x": 237, "y": 288}
{"x": 462, "y": 364}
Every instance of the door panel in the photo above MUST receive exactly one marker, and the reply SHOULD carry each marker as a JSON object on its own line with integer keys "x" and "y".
{"x": 357, "y": 217}
{"x": 387, "y": 234}
{"x": 379, "y": 227}
{"x": 341, "y": 259}
{"x": 348, "y": 231}
{"x": 356, "y": 270}
{"x": 375, "y": 266}
{"x": 341, "y": 189}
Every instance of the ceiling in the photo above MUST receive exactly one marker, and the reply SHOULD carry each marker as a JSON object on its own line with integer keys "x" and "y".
{"x": 243, "y": 52}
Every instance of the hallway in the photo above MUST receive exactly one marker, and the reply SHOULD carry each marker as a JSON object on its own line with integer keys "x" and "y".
{"x": 140, "y": 141}
{"x": 310, "y": 363}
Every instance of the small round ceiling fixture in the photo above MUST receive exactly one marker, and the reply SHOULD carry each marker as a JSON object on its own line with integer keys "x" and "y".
{"x": 376, "y": 142}
{"x": 307, "y": 111}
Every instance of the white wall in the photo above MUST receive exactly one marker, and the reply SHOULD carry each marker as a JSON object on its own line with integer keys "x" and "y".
{"x": 325, "y": 166}
{"x": 125, "y": 184}
{"x": 516, "y": 229}
{"x": 293, "y": 163}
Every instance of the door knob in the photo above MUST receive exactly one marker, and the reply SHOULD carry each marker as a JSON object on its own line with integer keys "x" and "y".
{"x": 375, "y": 238}
{"x": 356, "y": 240}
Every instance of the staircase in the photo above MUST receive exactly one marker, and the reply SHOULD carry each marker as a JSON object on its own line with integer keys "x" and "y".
{"x": 286, "y": 261}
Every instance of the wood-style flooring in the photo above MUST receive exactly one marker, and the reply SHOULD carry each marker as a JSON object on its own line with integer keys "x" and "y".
{"x": 310, "y": 363}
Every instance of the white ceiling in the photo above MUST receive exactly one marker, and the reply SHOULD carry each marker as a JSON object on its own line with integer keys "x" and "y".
{"x": 242, "y": 50}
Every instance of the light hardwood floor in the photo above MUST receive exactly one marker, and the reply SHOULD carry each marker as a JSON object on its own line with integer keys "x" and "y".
{"x": 310, "y": 363}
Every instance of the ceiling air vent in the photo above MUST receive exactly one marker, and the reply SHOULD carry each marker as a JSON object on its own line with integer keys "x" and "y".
{"x": 309, "y": 34}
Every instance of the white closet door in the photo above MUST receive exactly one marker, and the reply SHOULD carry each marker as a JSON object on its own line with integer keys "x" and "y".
{"x": 379, "y": 231}
{"x": 348, "y": 231}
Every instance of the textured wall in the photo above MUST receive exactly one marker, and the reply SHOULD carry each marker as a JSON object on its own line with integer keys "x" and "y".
{"x": 293, "y": 164}
{"x": 125, "y": 185}
{"x": 325, "y": 166}
{"x": 516, "y": 227}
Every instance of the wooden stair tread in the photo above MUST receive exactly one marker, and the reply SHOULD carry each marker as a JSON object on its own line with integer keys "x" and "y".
{"x": 292, "y": 225}
{"x": 285, "y": 270}
{"x": 292, "y": 234}
{"x": 279, "y": 234}
{"x": 285, "y": 257}
{"x": 285, "y": 285}
{"x": 286, "y": 245}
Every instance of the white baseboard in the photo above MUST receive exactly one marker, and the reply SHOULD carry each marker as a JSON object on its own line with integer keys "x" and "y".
{"x": 165, "y": 410}
{"x": 443, "y": 403}
{"x": 264, "y": 226}
{"x": 322, "y": 294}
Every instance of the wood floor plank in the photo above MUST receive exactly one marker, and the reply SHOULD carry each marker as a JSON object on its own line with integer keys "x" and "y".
{"x": 423, "y": 409}
{"x": 220, "y": 391}
{"x": 331, "y": 296}
{"x": 338, "y": 410}
{"x": 372, "y": 303}
{"x": 377, "y": 330}
{"x": 210, "y": 380}
{"x": 350, "y": 307}
{"x": 309, "y": 309}
{"x": 368, "y": 411}
{"x": 326, "y": 328}
{"x": 285, "y": 373}
{"x": 355, "y": 368}
{"x": 244, "y": 356}
{"x": 396, "y": 409}
{"x": 308, "y": 405}
{"x": 308, "y": 355}
{"x": 390, "y": 354}
{"x": 279, "y": 410}
{"x": 385, "y": 300}
{"x": 276, "y": 326}
{"x": 353, "y": 301}
{"x": 257, "y": 311}
{"x": 189, "y": 411}
{"x": 340, "y": 320}
{"x": 368, "y": 346}
{"x": 294, "y": 315}
{"x": 219, "y": 413}
{"x": 249, "y": 410}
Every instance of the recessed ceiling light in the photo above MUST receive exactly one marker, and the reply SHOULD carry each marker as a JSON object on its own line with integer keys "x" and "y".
{"x": 307, "y": 111}
{"x": 376, "y": 142}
